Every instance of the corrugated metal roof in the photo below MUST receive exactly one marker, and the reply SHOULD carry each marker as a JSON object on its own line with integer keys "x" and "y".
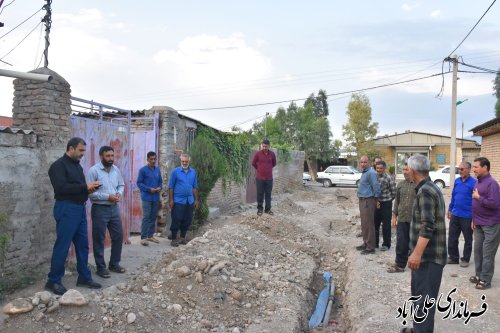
{"x": 15, "y": 130}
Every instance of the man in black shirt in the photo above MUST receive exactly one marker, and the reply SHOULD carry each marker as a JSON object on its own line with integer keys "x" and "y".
{"x": 71, "y": 193}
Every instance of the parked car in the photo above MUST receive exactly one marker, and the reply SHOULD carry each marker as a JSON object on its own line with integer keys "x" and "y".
{"x": 306, "y": 177}
{"x": 339, "y": 175}
{"x": 441, "y": 177}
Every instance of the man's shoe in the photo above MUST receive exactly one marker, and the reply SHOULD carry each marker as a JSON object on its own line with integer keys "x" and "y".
{"x": 270, "y": 212}
{"x": 259, "y": 212}
{"x": 175, "y": 242}
{"x": 89, "y": 284}
{"x": 384, "y": 248}
{"x": 56, "y": 288}
{"x": 104, "y": 273}
{"x": 464, "y": 263}
{"x": 153, "y": 240}
{"x": 183, "y": 241}
{"x": 452, "y": 262}
{"x": 365, "y": 251}
{"x": 361, "y": 247}
{"x": 395, "y": 269}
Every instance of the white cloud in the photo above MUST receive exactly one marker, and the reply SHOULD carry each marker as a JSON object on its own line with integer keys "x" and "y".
{"x": 436, "y": 13}
{"x": 408, "y": 7}
{"x": 208, "y": 59}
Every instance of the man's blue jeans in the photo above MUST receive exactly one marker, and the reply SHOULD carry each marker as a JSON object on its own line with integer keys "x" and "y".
{"x": 71, "y": 219}
{"x": 149, "y": 215}
{"x": 264, "y": 189}
{"x": 105, "y": 216}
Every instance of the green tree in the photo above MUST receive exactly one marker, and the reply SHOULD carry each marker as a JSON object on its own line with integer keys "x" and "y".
{"x": 303, "y": 128}
{"x": 496, "y": 87}
{"x": 359, "y": 132}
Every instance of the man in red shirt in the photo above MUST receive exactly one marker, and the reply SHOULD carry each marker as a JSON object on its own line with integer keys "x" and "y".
{"x": 264, "y": 162}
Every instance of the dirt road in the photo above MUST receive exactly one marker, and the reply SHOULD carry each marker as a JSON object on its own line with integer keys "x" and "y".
{"x": 244, "y": 273}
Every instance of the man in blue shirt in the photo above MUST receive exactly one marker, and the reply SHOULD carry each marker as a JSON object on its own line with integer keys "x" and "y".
{"x": 105, "y": 212}
{"x": 460, "y": 215}
{"x": 150, "y": 183}
{"x": 182, "y": 199}
{"x": 368, "y": 194}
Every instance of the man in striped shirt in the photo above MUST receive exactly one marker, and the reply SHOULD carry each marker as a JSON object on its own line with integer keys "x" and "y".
{"x": 427, "y": 242}
{"x": 384, "y": 206}
{"x": 401, "y": 218}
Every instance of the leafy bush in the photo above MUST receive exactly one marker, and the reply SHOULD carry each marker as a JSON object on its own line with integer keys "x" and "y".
{"x": 209, "y": 165}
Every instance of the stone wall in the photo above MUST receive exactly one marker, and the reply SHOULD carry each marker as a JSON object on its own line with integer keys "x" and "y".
{"x": 43, "y": 107}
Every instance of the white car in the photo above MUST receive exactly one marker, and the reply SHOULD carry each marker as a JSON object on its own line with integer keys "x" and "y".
{"x": 441, "y": 177}
{"x": 339, "y": 175}
{"x": 306, "y": 177}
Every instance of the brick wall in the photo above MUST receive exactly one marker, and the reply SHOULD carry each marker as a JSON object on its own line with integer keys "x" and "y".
{"x": 490, "y": 148}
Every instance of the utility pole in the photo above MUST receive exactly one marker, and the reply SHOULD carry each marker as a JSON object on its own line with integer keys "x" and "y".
{"x": 265, "y": 125}
{"x": 47, "y": 19}
{"x": 453, "y": 143}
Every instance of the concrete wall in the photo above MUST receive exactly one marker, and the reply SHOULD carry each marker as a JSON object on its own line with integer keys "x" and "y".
{"x": 287, "y": 177}
{"x": 27, "y": 202}
{"x": 26, "y": 195}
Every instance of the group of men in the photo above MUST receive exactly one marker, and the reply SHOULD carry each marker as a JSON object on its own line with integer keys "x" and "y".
{"x": 376, "y": 191}
{"x": 104, "y": 186}
{"x": 418, "y": 213}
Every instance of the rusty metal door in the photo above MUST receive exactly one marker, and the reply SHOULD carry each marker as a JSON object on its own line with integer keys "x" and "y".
{"x": 143, "y": 139}
{"x": 98, "y": 133}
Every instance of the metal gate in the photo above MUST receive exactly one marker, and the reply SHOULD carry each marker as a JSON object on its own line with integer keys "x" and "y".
{"x": 143, "y": 138}
{"x": 131, "y": 138}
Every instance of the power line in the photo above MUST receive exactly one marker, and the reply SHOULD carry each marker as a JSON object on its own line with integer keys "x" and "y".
{"x": 278, "y": 81}
{"x": 17, "y": 26}
{"x": 486, "y": 70}
{"x": 22, "y": 40}
{"x": 463, "y": 40}
{"x": 7, "y": 5}
{"x": 303, "y": 99}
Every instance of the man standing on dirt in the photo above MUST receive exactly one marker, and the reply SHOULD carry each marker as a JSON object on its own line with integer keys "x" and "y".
{"x": 384, "y": 208}
{"x": 485, "y": 222}
{"x": 401, "y": 218}
{"x": 264, "y": 161}
{"x": 460, "y": 215}
{"x": 427, "y": 243}
{"x": 105, "y": 212}
{"x": 182, "y": 199}
{"x": 368, "y": 194}
{"x": 71, "y": 193}
{"x": 150, "y": 183}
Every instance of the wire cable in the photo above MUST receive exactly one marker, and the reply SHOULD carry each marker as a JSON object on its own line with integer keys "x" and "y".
{"x": 17, "y": 26}
{"x": 22, "y": 40}
{"x": 491, "y": 71}
{"x": 7, "y": 5}
{"x": 303, "y": 99}
{"x": 463, "y": 40}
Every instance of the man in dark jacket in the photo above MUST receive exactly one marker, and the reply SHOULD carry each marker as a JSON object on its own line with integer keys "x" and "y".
{"x": 71, "y": 193}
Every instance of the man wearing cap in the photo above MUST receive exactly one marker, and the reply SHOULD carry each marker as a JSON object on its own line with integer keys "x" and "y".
{"x": 264, "y": 161}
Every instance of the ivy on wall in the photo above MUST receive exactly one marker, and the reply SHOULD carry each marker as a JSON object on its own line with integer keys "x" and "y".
{"x": 217, "y": 155}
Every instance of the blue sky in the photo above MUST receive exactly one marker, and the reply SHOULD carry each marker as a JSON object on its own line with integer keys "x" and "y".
{"x": 203, "y": 54}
